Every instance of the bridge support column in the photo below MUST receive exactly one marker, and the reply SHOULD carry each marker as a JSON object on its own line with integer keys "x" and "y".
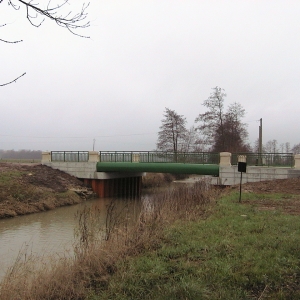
{"x": 297, "y": 161}
{"x": 225, "y": 159}
{"x": 46, "y": 157}
{"x": 128, "y": 186}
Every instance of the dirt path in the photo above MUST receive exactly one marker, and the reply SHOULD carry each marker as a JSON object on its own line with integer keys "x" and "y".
{"x": 30, "y": 188}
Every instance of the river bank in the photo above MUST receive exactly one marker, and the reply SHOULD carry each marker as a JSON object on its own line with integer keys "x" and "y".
{"x": 30, "y": 188}
{"x": 194, "y": 242}
{"x": 27, "y": 188}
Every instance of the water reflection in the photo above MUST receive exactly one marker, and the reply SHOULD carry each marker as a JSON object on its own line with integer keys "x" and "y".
{"x": 51, "y": 232}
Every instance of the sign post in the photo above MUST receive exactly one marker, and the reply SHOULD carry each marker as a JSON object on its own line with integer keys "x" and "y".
{"x": 242, "y": 167}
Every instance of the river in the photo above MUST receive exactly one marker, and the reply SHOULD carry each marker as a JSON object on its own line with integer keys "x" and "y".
{"x": 52, "y": 233}
{"x": 47, "y": 233}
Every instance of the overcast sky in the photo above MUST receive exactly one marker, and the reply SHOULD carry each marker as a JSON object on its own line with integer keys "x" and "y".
{"x": 144, "y": 56}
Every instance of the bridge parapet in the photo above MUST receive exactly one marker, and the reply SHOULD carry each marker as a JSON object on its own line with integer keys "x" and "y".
{"x": 297, "y": 161}
{"x": 225, "y": 159}
{"x": 160, "y": 157}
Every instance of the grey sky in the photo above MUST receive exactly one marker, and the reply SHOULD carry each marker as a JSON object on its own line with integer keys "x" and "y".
{"x": 144, "y": 56}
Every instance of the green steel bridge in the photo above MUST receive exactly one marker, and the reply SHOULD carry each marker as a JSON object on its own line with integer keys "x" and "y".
{"x": 111, "y": 173}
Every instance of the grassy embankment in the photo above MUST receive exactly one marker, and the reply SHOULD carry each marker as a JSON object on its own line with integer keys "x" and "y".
{"x": 184, "y": 246}
{"x": 30, "y": 189}
{"x": 239, "y": 252}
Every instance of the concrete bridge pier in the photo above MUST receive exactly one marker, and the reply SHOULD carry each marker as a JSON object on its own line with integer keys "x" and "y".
{"x": 126, "y": 186}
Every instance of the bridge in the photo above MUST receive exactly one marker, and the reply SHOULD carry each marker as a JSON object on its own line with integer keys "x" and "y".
{"x": 112, "y": 173}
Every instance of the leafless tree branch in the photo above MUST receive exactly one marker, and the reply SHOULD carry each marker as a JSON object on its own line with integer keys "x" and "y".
{"x": 13, "y": 80}
{"x": 10, "y": 42}
{"x": 69, "y": 20}
{"x": 6, "y": 41}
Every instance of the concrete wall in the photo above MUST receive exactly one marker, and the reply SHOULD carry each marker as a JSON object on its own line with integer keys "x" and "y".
{"x": 88, "y": 170}
{"x": 229, "y": 175}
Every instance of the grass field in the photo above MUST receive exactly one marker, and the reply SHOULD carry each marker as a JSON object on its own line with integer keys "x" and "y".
{"x": 239, "y": 252}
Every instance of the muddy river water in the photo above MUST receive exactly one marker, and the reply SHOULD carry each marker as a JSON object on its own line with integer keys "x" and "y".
{"x": 51, "y": 233}
{"x": 47, "y": 233}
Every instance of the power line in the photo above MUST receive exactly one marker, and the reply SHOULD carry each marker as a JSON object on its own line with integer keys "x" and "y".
{"x": 75, "y": 137}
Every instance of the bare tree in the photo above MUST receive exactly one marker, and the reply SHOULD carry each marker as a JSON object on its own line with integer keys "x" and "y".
{"x": 190, "y": 139}
{"x": 213, "y": 119}
{"x": 233, "y": 135}
{"x": 271, "y": 146}
{"x": 223, "y": 131}
{"x": 255, "y": 148}
{"x": 57, "y": 11}
{"x": 287, "y": 147}
{"x": 296, "y": 149}
{"x": 172, "y": 134}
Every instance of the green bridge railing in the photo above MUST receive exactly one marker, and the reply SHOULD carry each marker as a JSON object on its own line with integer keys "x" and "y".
{"x": 160, "y": 157}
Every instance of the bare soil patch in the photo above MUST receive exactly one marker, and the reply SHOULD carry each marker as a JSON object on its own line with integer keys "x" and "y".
{"x": 280, "y": 194}
{"x": 30, "y": 188}
{"x": 284, "y": 186}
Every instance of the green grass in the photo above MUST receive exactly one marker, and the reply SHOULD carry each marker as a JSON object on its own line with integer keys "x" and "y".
{"x": 9, "y": 185}
{"x": 239, "y": 252}
{"x": 7, "y": 176}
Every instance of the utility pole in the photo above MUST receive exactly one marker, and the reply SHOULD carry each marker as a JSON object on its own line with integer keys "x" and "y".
{"x": 260, "y": 143}
{"x": 94, "y": 144}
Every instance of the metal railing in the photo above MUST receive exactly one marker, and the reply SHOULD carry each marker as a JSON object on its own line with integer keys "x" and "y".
{"x": 266, "y": 159}
{"x": 160, "y": 157}
{"x": 70, "y": 156}
{"x": 252, "y": 159}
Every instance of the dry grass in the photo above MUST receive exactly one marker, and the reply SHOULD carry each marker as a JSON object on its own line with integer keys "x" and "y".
{"x": 95, "y": 260}
{"x": 154, "y": 180}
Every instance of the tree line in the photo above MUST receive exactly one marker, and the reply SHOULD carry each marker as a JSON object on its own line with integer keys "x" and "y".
{"x": 272, "y": 146}
{"x": 20, "y": 154}
{"x": 218, "y": 129}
